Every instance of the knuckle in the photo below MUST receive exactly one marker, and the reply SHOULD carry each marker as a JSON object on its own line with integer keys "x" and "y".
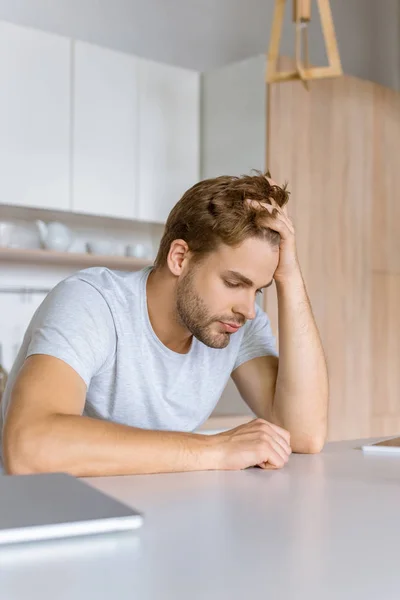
{"x": 261, "y": 447}
{"x": 265, "y": 437}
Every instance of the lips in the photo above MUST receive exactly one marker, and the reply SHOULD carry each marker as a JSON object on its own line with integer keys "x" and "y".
{"x": 230, "y": 327}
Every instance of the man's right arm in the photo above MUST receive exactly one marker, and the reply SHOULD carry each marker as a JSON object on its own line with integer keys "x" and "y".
{"x": 45, "y": 431}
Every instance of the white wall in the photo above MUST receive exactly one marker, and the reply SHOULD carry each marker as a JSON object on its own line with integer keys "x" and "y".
{"x": 385, "y": 42}
{"x": 233, "y": 118}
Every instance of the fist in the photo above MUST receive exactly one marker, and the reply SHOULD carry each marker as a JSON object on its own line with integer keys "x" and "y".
{"x": 257, "y": 443}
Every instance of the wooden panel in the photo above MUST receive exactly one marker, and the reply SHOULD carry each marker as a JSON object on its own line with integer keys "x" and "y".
{"x": 385, "y": 426}
{"x": 386, "y": 206}
{"x": 321, "y": 142}
{"x": 338, "y": 145}
{"x": 385, "y": 348}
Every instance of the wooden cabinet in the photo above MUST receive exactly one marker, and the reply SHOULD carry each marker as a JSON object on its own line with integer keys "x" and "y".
{"x": 104, "y": 171}
{"x": 168, "y": 137}
{"x": 34, "y": 118}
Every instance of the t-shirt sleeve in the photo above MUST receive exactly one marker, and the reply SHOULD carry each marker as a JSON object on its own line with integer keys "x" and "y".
{"x": 74, "y": 323}
{"x": 258, "y": 339}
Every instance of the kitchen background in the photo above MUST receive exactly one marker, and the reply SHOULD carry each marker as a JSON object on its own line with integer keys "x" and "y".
{"x": 109, "y": 111}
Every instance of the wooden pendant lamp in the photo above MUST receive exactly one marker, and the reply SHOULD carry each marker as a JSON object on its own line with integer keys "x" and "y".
{"x": 301, "y": 18}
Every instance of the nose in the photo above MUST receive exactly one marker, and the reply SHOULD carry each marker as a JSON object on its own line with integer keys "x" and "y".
{"x": 246, "y": 307}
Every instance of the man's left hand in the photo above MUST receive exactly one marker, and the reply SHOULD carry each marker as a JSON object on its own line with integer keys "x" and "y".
{"x": 279, "y": 220}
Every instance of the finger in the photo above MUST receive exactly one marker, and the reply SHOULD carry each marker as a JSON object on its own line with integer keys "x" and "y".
{"x": 283, "y": 209}
{"x": 286, "y": 219}
{"x": 275, "y": 431}
{"x": 270, "y": 206}
{"x": 288, "y": 222}
{"x": 275, "y": 211}
{"x": 271, "y": 450}
{"x": 273, "y": 457}
{"x": 266, "y": 466}
{"x": 282, "y": 443}
{"x": 278, "y": 213}
{"x": 282, "y": 432}
{"x": 259, "y": 205}
{"x": 279, "y": 225}
{"x": 280, "y": 446}
{"x": 278, "y": 442}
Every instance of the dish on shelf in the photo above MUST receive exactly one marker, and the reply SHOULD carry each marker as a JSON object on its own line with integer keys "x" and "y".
{"x": 19, "y": 234}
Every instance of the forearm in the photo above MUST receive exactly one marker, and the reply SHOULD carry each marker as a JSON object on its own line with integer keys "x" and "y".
{"x": 301, "y": 395}
{"x": 83, "y": 446}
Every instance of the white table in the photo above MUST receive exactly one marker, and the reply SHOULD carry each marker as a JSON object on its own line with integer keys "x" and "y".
{"x": 325, "y": 527}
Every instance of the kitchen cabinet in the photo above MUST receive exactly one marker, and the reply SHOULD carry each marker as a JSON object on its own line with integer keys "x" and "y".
{"x": 168, "y": 137}
{"x": 34, "y": 118}
{"x": 95, "y": 131}
{"x": 104, "y": 170}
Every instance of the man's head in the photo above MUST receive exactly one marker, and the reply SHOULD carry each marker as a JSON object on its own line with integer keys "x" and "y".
{"x": 219, "y": 249}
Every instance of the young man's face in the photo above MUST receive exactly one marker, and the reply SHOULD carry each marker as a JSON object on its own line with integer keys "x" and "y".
{"x": 217, "y": 296}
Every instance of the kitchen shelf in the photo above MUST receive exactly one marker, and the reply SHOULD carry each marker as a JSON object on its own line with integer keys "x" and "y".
{"x": 50, "y": 257}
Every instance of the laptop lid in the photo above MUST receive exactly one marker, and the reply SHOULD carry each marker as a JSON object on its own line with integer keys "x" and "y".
{"x": 57, "y": 505}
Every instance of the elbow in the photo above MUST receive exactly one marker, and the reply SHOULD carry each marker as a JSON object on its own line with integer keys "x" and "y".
{"x": 14, "y": 466}
{"x": 311, "y": 439}
{"x": 308, "y": 444}
{"x": 314, "y": 446}
{"x": 20, "y": 454}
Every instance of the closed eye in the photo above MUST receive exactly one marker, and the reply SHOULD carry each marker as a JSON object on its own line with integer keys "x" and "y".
{"x": 229, "y": 284}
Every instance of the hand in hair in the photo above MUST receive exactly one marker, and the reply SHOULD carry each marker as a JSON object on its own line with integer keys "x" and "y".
{"x": 277, "y": 219}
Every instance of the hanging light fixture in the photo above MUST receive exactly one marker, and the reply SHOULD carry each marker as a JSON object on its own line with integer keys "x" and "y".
{"x": 301, "y": 18}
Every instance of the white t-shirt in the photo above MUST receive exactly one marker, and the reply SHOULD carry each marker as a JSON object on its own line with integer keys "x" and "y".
{"x": 97, "y": 322}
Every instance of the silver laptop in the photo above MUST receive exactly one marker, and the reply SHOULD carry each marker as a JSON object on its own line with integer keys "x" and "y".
{"x": 56, "y": 505}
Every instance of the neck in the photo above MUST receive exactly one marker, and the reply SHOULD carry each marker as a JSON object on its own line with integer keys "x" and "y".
{"x": 161, "y": 306}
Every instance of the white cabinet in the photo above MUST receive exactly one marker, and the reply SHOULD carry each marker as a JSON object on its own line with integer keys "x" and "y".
{"x": 168, "y": 137}
{"x": 92, "y": 130}
{"x": 34, "y": 118}
{"x": 104, "y": 132}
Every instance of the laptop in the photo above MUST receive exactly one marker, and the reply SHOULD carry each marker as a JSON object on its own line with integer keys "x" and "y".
{"x": 57, "y": 505}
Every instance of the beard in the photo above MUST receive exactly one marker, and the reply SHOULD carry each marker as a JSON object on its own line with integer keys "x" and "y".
{"x": 193, "y": 313}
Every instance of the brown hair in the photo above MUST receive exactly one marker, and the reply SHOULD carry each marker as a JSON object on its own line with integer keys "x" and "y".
{"x": 215, "y": 211}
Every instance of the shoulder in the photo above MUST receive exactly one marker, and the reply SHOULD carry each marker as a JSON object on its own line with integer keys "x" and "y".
{"x": 108, "y": 283}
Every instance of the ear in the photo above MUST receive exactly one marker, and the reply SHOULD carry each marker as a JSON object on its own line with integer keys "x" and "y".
{"x": 178, "y": 256}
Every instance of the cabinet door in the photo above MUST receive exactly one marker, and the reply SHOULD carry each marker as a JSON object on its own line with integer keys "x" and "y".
{"x": 34, "y": 118}
{"x": 168, "y": 137}
{"x": 104, "y": 132}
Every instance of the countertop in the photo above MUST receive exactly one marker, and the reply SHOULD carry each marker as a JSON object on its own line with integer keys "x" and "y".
{"x": 325, "y": 527}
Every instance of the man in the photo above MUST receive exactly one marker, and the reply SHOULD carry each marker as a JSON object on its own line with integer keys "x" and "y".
{"x": 118, "y": 369}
